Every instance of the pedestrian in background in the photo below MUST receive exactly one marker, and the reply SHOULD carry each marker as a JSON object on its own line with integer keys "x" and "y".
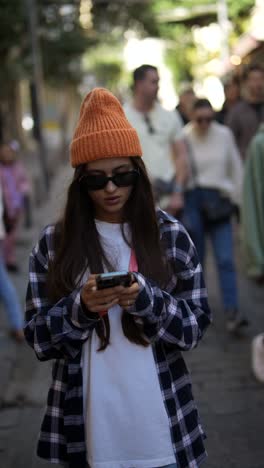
{"x": 232, "y": 97}
{"x": 253, "y": 232}
{"x": 185, "y": 106}
{"x": 159, "y": 130}
{"x": 245, "y": 117}
{"x": 8, "y": 293}
{"x": 117, "y": 350}
{"x": 16, "y": 186}
{"x": 214, "y": 186}
{"x": 253, "y": 208}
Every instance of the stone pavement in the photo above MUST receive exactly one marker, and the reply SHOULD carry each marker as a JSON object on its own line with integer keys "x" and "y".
{"x": 23, "y": 380}
{"x": 231, "y": 402}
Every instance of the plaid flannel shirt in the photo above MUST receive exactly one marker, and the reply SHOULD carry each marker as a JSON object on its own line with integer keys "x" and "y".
{"x": 174, "y": 320}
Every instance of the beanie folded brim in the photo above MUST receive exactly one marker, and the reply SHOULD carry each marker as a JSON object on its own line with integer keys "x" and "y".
{"x": 113, "y": 143}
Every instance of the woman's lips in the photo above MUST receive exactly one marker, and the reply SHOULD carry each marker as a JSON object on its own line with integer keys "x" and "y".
{"x": 112, "y": 200}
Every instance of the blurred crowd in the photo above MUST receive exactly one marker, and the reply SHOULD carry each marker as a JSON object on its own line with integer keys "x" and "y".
{"x": 207, "y": 169}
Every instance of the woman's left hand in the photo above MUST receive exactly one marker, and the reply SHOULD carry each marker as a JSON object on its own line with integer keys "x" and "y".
{"x": 129, "y": 295}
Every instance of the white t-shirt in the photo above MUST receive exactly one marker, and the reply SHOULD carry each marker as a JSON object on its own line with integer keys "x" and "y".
{"x": 217, "y": 160}
{"x": 126, "y": 421}
{"x": 156, "y": 146}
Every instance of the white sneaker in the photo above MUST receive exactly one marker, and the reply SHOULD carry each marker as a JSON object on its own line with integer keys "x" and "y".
{"x": 258, "y": 357}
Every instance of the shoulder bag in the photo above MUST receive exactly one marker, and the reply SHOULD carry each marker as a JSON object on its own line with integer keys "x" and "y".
{"x": 215, "y": 209}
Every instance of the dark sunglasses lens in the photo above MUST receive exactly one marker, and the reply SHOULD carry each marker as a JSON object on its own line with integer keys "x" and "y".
{"x": 204, "y": 120}
{"x": 96, "y": 182}
{"x": 124, "y": 179}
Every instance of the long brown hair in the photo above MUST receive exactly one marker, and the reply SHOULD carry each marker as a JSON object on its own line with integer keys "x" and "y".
{"x": 77, "y": 246}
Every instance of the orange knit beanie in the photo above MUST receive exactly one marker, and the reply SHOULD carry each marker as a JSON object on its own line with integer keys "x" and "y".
{"x": 103, "y": 130}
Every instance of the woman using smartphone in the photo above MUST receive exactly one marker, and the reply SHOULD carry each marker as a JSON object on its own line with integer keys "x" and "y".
{"x": 121, "y": 394}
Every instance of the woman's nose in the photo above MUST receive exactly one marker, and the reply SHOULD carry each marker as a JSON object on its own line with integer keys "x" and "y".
{"x": 110, "y": 187}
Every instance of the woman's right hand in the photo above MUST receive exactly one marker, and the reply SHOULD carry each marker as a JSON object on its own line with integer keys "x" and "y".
{"x": 99, "y": 300}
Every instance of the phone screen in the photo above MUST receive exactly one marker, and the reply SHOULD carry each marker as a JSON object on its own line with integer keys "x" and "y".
{"x": 116, "y": 278}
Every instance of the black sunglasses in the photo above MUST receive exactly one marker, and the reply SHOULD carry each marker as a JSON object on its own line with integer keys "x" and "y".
{"x": 150, "y": 127}
{"x": 200, "y": 120}
{"x": 98, "y": 182}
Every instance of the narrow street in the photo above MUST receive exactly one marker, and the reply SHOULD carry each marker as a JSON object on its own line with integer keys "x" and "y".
{"x": 230, "y": 400}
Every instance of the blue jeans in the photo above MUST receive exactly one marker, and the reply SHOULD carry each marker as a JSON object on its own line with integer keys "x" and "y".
{"x": 222, "y": 241}
{"x": 9, "y": 297}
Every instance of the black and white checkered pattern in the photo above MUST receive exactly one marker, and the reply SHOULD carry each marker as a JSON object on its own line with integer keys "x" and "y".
{"x": 174, "y": 320}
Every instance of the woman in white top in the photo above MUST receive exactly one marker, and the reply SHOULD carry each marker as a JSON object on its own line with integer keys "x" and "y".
{"x": 213, "y": 190}
{"x": 7, "y": 291}
{"x": 121, "y": 394}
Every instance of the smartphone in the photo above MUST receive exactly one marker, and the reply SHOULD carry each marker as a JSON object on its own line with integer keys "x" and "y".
{"x": 117, "y": 278}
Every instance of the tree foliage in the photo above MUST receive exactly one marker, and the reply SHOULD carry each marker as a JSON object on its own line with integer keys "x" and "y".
{"x": 12, "y": 41}
{"x": 113, "y": 18}
{"x": 63, "y": 41}
{"x": 105, "y": 64}
{"x": 124, "y": 15}
{"x": 181, "y": 54}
